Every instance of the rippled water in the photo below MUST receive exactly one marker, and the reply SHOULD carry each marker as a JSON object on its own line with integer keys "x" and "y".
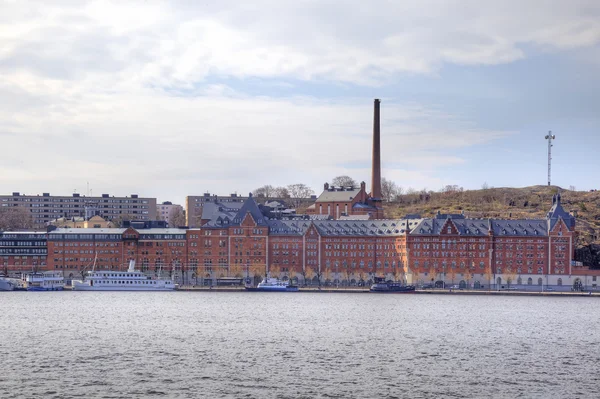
{"x": 282, "y": 345}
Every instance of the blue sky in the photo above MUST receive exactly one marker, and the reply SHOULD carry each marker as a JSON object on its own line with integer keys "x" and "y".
{"x": 168, "y": 99}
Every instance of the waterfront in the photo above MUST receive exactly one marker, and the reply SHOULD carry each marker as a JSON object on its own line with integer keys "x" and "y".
{"x": 257, "y": 345}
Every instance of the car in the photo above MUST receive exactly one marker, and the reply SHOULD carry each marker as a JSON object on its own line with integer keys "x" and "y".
{"x": 549, "y": 289}
{"x": 454, "y": 287}
{"x": 427, "y": 286}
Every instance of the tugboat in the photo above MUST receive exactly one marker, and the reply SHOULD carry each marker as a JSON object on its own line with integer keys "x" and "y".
{"x": 271, "y": 284}
{"x": 382, "y": 286}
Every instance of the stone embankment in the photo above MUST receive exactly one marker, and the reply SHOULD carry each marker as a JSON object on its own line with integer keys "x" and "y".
{"x": 424, "y": 292}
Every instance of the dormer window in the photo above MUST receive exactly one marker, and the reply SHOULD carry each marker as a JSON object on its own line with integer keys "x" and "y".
{"x": 449, "y": 230}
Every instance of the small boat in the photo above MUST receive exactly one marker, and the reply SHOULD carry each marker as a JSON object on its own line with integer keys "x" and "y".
{"x": 131, "y": 280}
{"x": 271, "y": 284}
{"x": 45, "y": 281}
{"x": 380, "y": 285}
{"x": 6, "y": 284}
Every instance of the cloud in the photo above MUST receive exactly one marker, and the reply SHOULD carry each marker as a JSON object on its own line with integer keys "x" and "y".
{"x": 130, "y": 95}
{"x": 174, "y": 44}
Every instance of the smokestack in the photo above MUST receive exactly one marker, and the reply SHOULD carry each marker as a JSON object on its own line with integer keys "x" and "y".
{"x": 376, "y": 167}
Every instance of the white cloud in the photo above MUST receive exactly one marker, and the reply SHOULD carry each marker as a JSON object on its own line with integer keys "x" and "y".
{"x": 92, "y": 91}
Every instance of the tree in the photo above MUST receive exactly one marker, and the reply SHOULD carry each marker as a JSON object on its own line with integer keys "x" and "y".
{"x": 177, "y": 217}
{"x": 265, "y": 191}
{"x": 15, "y": 218}
{"x": 489, "y": 275}
{"x": 343, "y": 181}
{"x": 281, "y": 192}
{"x": 389, "y": 190}
{"x": 298, "y": 192}
{"x": 511, "y": 275}
{"x": 307, "y": 274}
{"x": 274, "y": 271}
{"x": 484, "y": 186}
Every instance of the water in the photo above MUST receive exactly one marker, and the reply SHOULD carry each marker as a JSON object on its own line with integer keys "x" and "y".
{"x": 282, "y": 345}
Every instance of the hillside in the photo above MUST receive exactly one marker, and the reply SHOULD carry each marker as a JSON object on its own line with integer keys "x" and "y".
{"x": 510, "y": 203}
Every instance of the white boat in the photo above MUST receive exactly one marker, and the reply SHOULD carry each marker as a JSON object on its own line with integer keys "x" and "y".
{"x": 275, "y": 285}
{"x": 45, "y": 281}
{"x": 131, "y": 280}
{"x": 6, "y": 284}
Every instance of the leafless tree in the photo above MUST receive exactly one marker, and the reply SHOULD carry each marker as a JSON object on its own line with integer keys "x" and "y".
{"x": 281, "y": 192}
{"x": 177, "y": 217}
{"x": 266, "y": 191}
{"x": 484, "y": 186}
{"x": 298, "y": 192}
{"x": 15, "y": 218}
{"x": 344, "y": 181}
{"x": 389, "y": 190}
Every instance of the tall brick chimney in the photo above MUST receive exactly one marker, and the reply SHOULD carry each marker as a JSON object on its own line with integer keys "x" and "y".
{"x": 376, "y": 167}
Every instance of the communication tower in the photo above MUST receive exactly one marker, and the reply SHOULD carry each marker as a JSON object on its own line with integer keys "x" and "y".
{"x": 549, "y": 137}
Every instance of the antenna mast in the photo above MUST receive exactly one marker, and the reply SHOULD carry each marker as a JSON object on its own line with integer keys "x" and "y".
{"x": 549, "y": 137}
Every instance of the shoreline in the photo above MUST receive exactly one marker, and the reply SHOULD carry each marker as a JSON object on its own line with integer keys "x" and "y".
{"x": 330, "y": 290}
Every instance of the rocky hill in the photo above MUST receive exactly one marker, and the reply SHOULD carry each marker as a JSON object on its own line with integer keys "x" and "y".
{"x": 526, "y": 202}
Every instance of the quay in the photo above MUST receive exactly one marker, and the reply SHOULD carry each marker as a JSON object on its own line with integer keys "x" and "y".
{"x": 361, "y": 290}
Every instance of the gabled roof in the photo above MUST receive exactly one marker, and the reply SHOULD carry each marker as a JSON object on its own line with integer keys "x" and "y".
{"x": 337, "y": 194}
{"x": 250, "y": 206}
{"x": 557, "y": 212}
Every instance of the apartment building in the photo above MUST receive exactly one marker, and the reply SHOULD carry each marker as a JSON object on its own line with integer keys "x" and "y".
{"x": 45, "y": 208}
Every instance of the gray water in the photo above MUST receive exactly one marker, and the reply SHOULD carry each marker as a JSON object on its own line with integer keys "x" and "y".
{"x": 288, "y": 345}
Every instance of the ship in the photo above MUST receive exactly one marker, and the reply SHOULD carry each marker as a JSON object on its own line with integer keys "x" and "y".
{"x": 380, "y": 285}
{"x": 6, "y": 284}
{"x": 45, "y": 281}
{"x": 271, "y": 284}
{"x": 131, "y": 280}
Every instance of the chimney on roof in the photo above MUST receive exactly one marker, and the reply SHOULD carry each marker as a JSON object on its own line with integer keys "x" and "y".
{"x": 376, "y": 167}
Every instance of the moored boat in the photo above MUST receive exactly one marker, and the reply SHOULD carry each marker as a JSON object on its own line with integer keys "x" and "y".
{"x": 131, "y": 280}
{"x": 271, "y": 284}
{"x": 6, "y": 284}
{"x": 380, "y": 285}
{"x": 45, "y": 281}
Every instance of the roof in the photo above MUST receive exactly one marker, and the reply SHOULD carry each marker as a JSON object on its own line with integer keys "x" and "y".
{"x": 557, "y": 212}
{"x": 481, "y": 227}
{"x": 161, "y": 231}
{"x": 72, "y": 230}
{"x": 338, "y": 194}
{"x": 219, "y": 214}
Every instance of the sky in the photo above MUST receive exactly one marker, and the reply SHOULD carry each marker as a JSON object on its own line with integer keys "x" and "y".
{"x": 177, "y": 98}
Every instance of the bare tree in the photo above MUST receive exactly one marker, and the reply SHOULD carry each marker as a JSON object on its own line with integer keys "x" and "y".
{"x": 572, "y": 188}
{"x": 484, "y": 186}
{"x": 344, "y": 181}
{"x": 177, "y": 217}
{"x": 15, "y": 218}
{"x": 265, "y": 191}
{"x": 389, "y": 190}
{"x": 281, "y": 192}
{"x": 298, "y": 192}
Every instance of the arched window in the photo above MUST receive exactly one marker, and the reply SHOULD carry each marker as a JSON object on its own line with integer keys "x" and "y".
{"x": 529, "y": 281}
{"x": 499, "y": 281}
{"x": 519, "y": 281}
{"x": 540, "y": 281}
{"x": 559, "y": 282}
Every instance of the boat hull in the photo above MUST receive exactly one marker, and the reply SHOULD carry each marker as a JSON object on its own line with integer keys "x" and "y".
{"x": 79, "y": 286}
{"x": 272, "y": 289}
{"x": 6, "y": 285}
{"x": 45, "y": 288}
